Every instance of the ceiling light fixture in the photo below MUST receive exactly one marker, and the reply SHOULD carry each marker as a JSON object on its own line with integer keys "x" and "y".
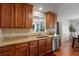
{"x": 40, "y": 9}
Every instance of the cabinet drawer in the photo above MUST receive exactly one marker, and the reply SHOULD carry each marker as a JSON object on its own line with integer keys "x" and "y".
{"x": 22, "y": 52}
{"x": 7, "y": 48}
{"x": 8, "y": 53}
{"x": 22, "y": 45}
{"x": 43, "y": 41}
{"x": 33, "y": 43}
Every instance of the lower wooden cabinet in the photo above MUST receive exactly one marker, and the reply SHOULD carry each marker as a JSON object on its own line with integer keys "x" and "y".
{"x": 22, "y": 49}
{"x": 21, "y": 52}
{"x": 42, "y": 47}
{"x": 34, "y": 48}
{"x": 49, "y": 45}
{"x": 7, "y": 51}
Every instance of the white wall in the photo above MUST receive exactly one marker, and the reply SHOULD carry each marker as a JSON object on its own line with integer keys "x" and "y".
{"x": 75, "y": 24}
{"x": 64, "y": 30}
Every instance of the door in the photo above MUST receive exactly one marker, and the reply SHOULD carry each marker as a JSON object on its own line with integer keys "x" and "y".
{"x": 7, "y": 53}
{"x": 49, "y": 45}
{"x": 34, "y": 50}
{"x": 28, "y": 16}
{"x": 55, "y": 19}
{"x": 21, "y": 52}
{"x": 42, "y": 47}
{"x": 19, "y": 15}
{"x": 52, "y": 21}
{"x": 7, "y": 15}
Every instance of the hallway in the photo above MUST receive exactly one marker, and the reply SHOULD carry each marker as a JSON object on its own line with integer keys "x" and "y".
{"x": 67, "y": 50}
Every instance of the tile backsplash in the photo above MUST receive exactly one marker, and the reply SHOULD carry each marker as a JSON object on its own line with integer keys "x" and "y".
{"x": 9, "y": 33}
{"x": 14, "y": 32}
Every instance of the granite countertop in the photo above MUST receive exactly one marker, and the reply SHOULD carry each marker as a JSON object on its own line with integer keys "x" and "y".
{"x": 22, "y": 39}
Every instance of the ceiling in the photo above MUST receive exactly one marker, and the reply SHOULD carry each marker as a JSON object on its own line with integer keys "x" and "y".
{"x": 65, "y": 11}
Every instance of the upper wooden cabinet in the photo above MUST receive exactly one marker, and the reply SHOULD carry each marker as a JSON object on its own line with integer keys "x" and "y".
{"x": 28, "y": 16}
{"x": 18, "y": 15}
{"x": 50, "y": 19}
{"x": 7, "y": 15}
{"x": 55, "y": 19}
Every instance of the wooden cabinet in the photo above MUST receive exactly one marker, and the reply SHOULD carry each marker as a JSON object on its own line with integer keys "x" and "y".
{"x": 28, "y": 16}
{"x": 34, "y": 48}
{"x": 21, "y": 52}
{"x": 55, "y": 19}
{"x": 23, "y": 16}
{"x": 49, "y": 45}
{"x": 22, "y": 49}
{"x": 50, "y": 20}
{"x": 42, "y": 47}
{"x": 7, "y": 15}
{"x": 7, "y": 51}
{"x": 18, "y": 15}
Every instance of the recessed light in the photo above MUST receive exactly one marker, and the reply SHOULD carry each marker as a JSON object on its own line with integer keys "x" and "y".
{"x": 40, "y": 8}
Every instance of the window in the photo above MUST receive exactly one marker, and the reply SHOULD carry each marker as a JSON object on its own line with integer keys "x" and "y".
{"x": 38, "y": 22}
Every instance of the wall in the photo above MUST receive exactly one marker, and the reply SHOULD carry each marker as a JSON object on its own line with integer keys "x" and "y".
{"x": 75, "y": 24}
{"x": 64, "y": 30}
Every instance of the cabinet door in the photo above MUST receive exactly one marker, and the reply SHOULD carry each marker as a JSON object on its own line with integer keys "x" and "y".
{"x": 21, "y": 52}
{"x": 34, "y": 48}
{"x": 47, "y": 20}
{"x": 28, "y": 16}
{"x": 42, "y": 47}
{"x": 22, "y": 49}
{"x": 7, "y": 15}
{"x": 8, "y": 53}
{"x": 19, "y": 15}
{"x": 42, "y": 50}
{"x": 49, "y": 45}
{"x": 55, "y": 19}
{"x": 52, "y": 21}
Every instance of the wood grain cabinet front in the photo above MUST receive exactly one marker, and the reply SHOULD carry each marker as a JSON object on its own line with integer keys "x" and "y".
{"x": 19, "y": 15}
{"x": 7, "y": 15}
{"x": 22, "y": 49}
{"x": 49, "y": 45}
{"x": 34, "y": 48}
{"x": 42, "y": 47}
{"x": 22, "y": 52}
{"x": 15, "y": 15}
{"x": 28, "y": 16}
{"x": 51, "y": 19}
{"x": 7, "y": 51}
